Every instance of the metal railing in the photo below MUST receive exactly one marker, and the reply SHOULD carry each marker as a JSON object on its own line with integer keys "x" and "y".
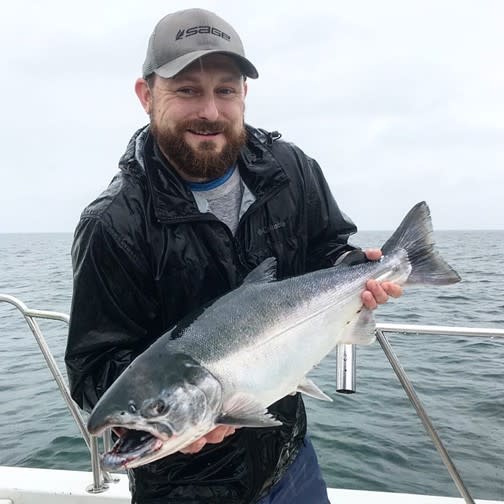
{"x": 100, "y": 479}
{"x": 345, "y": 378}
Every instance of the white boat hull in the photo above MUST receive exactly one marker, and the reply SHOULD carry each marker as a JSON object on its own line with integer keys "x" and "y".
{"x": 22, "y": 485}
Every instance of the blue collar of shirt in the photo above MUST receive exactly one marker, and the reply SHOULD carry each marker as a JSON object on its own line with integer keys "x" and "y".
{"x": 212, "y": 184}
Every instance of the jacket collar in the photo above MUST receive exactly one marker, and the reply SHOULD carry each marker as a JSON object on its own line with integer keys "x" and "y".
{"x": 172, "y": 200}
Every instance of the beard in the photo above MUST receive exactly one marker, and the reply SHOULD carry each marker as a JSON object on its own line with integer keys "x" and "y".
{"x": 202, "y": 162}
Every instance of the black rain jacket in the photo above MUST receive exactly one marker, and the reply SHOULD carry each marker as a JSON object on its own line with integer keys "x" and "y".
{"x": 144, "y": 257}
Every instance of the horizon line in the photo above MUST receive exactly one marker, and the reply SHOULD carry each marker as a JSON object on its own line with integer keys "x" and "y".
{"x": 359, "y": 231}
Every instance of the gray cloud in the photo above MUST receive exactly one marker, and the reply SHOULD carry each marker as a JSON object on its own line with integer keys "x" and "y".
{"x": 398, "y": 101}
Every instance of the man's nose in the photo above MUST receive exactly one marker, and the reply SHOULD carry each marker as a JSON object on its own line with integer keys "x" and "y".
{"x": 208, "y": 108}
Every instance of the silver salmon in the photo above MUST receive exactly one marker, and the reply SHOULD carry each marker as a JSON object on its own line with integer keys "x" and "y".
{"x": 253, "y": 346}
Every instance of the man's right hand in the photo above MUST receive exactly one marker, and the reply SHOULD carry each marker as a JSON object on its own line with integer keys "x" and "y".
{"x": 214, "y": 436}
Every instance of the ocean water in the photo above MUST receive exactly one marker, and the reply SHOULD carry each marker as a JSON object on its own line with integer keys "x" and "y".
{"x": 368, "y": 440}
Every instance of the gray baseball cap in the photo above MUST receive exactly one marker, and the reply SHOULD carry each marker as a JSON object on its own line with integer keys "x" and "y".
{"x": 184, "y": 36}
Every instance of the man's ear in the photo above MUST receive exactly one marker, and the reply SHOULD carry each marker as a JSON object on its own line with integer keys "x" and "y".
{"x": 144, "y": 94}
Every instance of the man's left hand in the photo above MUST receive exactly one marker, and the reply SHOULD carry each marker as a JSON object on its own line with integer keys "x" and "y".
{"x": 378, "y": 292}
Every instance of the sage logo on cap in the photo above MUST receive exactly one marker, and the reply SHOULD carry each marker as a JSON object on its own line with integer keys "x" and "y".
{"x": 201, "y": 29}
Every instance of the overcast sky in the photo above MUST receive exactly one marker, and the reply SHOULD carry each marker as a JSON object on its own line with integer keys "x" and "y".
{"x": 399, "y": 101}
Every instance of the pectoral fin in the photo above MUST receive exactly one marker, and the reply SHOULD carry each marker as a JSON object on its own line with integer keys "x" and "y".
{"x": 244, "y": 411}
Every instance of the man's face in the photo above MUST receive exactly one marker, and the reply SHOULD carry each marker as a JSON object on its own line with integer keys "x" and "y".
{"x": 197, "y": 117}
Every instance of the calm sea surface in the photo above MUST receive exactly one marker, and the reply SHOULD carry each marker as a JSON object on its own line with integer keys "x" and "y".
{"x": 368, "y": 440}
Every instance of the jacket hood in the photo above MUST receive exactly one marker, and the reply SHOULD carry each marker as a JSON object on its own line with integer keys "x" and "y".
{"x": 132, "y": 159}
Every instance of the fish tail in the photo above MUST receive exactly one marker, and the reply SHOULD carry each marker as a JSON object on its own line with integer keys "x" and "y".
{"x": 415, "y": 235}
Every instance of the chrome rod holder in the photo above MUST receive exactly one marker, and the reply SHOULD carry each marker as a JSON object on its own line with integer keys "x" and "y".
{"x": 346, "y": 358}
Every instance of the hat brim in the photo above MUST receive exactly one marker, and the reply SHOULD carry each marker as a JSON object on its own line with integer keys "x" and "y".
{"x": 177, "y": 65}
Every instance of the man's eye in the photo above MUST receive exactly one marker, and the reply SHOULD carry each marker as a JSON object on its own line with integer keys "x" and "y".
{"x": 226, "y": 91}
{"x": 186, "y": 91}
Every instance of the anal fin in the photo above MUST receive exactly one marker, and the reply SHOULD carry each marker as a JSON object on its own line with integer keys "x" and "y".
{"x": 360, "y": 330}
{"x": 309, "y": 388}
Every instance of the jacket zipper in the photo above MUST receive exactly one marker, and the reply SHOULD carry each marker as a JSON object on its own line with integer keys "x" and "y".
{"x": 238, "y": 249}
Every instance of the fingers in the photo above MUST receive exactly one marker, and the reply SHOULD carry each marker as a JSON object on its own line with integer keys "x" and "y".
{"x": 392, "y": 289}
{"x": 373, "y": 254}
{"x": 219, "y": 433}
{"x": 214, "y": 436}
{"x": 378, "y": 293}
{"x": 368, "y": 300}
{"x": 195, "y": 447}
{"x": 374, "y": 295}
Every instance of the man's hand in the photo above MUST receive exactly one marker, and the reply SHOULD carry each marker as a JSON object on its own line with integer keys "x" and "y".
{"x": 214, "y": 436}
{"x": 378, "y": 292}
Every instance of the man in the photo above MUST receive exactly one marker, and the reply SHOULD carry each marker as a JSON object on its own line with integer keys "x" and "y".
{"x": 200, "y": 200}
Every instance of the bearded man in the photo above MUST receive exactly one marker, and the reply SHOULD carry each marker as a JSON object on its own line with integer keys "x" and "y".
{"x": 200, "y": 200}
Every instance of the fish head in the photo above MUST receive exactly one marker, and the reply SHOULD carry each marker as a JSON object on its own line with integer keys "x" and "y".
{"x": 157, "y": 406}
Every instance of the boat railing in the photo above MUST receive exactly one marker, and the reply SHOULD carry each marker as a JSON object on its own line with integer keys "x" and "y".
{"x": 346, "y": 365}
{"x": 100, "y": 478}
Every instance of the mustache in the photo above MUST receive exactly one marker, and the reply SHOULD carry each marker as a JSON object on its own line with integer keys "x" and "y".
{"x": 203, "y": 126}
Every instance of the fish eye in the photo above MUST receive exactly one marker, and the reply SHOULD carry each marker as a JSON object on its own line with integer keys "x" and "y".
{"x": 158, "y": 407}
{"x": 132, "y": 406}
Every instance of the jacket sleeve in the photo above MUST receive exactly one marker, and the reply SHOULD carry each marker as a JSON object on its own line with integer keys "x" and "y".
{"x": 110, "y": 314}
{"x": 328, "y": 227}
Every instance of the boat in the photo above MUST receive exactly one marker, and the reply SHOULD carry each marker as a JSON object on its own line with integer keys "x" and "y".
{"x": 21, "y": 485}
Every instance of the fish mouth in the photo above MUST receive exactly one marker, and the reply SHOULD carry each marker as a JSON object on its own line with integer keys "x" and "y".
{"x": 132, "y": 445}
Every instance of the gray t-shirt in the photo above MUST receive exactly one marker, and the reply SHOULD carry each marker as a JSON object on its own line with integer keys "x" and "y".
{"x": 222, "y": 197}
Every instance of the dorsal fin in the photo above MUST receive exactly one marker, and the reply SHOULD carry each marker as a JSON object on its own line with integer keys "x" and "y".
{"x": 265, "y": 272}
